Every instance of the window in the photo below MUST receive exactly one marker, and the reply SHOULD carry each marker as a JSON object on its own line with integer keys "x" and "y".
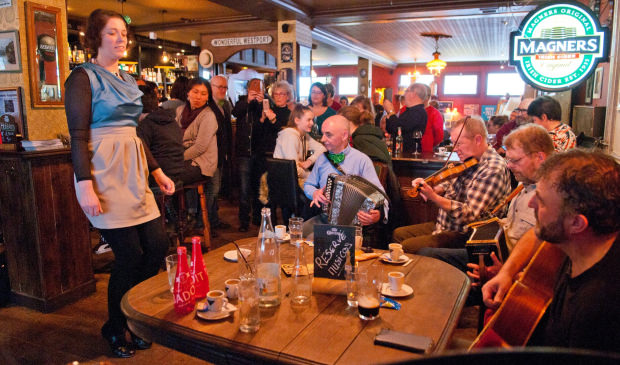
{"x": 347, "y": 86}
{"x": 305, "y": 82}
{"x": 405, "y": 80}
{"x": 460, "y": 85}
{"x": 503, "y": 83}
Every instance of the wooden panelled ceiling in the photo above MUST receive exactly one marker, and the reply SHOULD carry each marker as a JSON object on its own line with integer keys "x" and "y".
{"x": 390, "y": 28}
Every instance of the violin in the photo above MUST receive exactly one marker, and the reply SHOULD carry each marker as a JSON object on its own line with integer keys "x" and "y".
{"x": 445, "y": 174}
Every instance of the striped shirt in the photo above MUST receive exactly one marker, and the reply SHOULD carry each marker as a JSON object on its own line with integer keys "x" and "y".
{"x": 474, "y": 193}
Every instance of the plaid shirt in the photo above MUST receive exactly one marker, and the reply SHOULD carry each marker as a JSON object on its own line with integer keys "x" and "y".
{"x": 474, "y": 193}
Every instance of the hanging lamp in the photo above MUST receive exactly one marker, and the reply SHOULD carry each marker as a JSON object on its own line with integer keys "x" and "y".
{"x": 436, "y": 65}
{"x": 165, "y": 58}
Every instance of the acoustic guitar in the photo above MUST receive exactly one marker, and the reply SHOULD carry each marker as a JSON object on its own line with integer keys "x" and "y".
{"x": 526, "y": 302}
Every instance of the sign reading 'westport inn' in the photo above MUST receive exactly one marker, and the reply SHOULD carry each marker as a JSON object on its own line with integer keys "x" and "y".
{"x": 558, "y": 45}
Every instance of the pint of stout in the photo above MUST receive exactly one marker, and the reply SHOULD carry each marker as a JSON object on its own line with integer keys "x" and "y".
{"x": 368, "y": 307}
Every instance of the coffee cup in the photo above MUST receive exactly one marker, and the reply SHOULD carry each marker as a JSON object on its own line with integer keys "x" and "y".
{"x": 280, "y": 231}
{"x": 216, "y": 300}
{"x": 396, "y": 280}
{"x": 232, "y": 288}
{"x": 396, "y": 251}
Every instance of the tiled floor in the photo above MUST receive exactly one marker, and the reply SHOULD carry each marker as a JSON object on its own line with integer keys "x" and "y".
{"x": 72, "y": 332}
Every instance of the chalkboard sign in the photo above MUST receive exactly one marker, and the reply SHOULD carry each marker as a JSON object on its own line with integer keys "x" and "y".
{"x": 331, "y": 244}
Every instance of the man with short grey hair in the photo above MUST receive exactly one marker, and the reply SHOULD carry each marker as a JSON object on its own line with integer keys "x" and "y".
{"x": 412, "y": 119}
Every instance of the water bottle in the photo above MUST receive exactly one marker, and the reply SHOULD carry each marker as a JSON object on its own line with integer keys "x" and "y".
{"x": 302, "y": 280}
{"x": 200, "y": 278}
{"x": 183, "y": 288}
{"x": 268, "y": 263}
{"x": 398, "y": 148}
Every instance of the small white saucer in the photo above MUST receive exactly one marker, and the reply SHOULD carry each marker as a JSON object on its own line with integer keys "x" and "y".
{"x": 405, "y": 290}
{"x": 386, "y": 258}
{"x": 232, "y": 254}
{"x": 226, "y": 311}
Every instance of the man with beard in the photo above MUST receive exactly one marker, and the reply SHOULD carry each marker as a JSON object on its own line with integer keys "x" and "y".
{"x": 520, "y": 118}
{"x": 577, "y": 205}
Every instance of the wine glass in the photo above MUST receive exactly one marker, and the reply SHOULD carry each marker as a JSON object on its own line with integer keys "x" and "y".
{"x": 417, "y": 138}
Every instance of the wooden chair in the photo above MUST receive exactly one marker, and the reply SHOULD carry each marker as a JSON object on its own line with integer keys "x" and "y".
{"x": 283, "y": 186}
{"x": 182, "y": 215}
{"x": 382, "y": 172}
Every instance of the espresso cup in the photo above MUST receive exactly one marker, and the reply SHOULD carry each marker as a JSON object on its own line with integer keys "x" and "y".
{"x": 232, "y": 288}
{"x": 396, "y": 251}
{"x": 216, "y": 300}
{"x": 280, "y": 231}
{"x": 396, "y": 280}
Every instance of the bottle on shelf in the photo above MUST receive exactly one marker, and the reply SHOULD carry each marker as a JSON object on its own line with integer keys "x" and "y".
{"x": 268, "y": 263}
{"x": 184, "y": 290}
{"x": 398, "y": 146}
{"x": 200, "y": 278}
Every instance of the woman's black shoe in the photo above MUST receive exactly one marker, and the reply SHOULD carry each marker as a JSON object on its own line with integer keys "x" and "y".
{"x": 118, "y": 344}
{"x": 139, "y": 342}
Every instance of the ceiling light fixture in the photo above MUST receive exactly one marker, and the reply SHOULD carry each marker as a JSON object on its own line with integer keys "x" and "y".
{"x": 436, "y": 65}
{"x": 164, "y": 56}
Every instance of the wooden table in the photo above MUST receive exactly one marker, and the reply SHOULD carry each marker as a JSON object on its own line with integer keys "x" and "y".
{"x": 326, "y": 331}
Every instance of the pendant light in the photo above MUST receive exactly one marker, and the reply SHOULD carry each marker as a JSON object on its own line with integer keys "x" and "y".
{"x": 164, "y": 56}
{"x": 436, "y": 65}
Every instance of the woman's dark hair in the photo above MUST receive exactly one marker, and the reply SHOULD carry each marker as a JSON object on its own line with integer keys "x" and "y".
{"x": 96, "y": 22}
{"x": 298, "y": 111}
{"x": 545, "y": 105}
{"x": 179, "y": 88}
{"x": 323, "y": 90}
{"x": 149, "y": 99}
{"x": 364, "y": 101}
{"x": 200, "y": 81}
{"x": 499, "y": 120}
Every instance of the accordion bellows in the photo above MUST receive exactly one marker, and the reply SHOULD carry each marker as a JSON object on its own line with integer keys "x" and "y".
{"x": 348, "y": 195}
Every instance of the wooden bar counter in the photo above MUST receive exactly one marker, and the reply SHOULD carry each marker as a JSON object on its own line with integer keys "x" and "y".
{"x": 327, "y": 331}
{"x": 408, "y": 167}
{"x": 45, "y": 231}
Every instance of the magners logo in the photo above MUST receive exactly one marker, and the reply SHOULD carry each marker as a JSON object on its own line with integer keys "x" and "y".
{"x": 558, "y": 45}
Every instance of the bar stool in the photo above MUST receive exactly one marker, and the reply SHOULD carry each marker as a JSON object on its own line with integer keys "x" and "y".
{"x": 179, "y": 192}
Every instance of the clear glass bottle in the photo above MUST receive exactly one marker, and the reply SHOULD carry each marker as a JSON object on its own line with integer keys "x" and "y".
{"x": 398, "y": 148}
{"x": 302, "y": 279}
{"x": 268, "y": 263}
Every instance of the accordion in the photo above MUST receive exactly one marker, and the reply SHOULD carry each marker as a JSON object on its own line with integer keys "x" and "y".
{"x": 348, "y": 195}
{"x": 487, "y": 237}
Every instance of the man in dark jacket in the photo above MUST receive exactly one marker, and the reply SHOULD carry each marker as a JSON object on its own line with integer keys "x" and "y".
{"x": 412, "y": 119}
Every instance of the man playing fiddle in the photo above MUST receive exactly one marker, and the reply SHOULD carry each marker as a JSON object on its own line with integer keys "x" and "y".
{"x": 577, "y": 205}
{"x": 527, "y": 147}
{"x": 469, "y": 197}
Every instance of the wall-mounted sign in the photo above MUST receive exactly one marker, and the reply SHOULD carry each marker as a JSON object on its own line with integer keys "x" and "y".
{"x": 286, "y": 52}
{"x": 558, "y": 45}
{"x": 205, "y": 58}
{"x": 241, "y": 41}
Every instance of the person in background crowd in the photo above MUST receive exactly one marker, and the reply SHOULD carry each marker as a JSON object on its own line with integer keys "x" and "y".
{"x": 433, "y": 135}
{"x": 199, "y": 126}
{"x": 362, "y": 103}
{"x": 344, "y": 101}
{"x": 330, "y": 97}
{"x": 222, "y": 109}
{"x": 547, "y": 112}
{"x": 469, "y": 197}
{"x": 527, "y": 147}
{"x": 577, "y": 205}
{"x": 518, "y": 117}
{"x": 319, "y": 106}
{"x": 378, "y": 108}
{"x": 294, "y": 143}
{"x": 413, "y": 119}
{"x": 366, "y": 137}
{"x": 495, "y": 123}
{"x": 111, "y": 167}
{"x": 178, "y": 94}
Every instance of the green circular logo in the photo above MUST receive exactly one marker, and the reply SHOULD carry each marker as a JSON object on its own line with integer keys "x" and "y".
{"x": 557, "y": 46}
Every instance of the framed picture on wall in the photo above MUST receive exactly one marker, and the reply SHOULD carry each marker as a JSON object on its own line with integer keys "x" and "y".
{"x": 598, "y": 83}
{"x": 46, "y": 55}
{"x": 443, "y": 105}
{"x": 10, "y": 59}
{"x": 11, "y": 115}
{"x": 589, "y": 88}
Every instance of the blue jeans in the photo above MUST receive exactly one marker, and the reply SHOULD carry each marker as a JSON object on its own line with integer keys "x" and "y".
{"x": 456, "y": 257}
{"x": 211, "y": 195}
{"x": 243, "y": 166}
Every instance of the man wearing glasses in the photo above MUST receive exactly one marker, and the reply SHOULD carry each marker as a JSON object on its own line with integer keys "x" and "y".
{"x": 222, "y": 109}
{"x": 518, "y": 117}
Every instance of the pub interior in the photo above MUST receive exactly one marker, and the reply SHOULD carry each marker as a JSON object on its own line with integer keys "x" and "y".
{"x": 402, "y": 165}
